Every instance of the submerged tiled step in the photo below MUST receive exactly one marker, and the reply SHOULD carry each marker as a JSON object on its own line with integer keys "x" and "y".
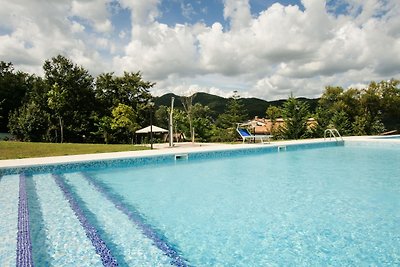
{"x": 24, "y": 245}
{"x": 130, "y": 245}
{"x": 61, "y": 240}
{"x": 70, "y": 220}
{"x": 9, "y": 192}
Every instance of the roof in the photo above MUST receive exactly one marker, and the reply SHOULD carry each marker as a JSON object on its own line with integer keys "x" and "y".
{"x": 154, "y": 129}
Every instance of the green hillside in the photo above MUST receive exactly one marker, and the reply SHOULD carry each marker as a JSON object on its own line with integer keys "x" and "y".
{"x": 254, "y": 106}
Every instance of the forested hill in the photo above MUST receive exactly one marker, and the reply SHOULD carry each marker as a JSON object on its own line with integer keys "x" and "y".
{"x": 253, "y": 106}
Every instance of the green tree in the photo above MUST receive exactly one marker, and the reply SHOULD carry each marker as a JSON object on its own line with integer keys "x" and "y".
{"x": 57, "y": 102}
{"x": 371, "y": 105}
{"x": 187, "y": 102}
{"x": 328, "y": 105}
{"x": 181, "y": 123}
{"x": 129, "y": 89}
{"x": 234, "y": 113}
{"x": 295, "y": 113}
{"x": 124, "y": 123}
{"x": 273, "y": 113}
{"x": 29, "y": 123}
{"x": 390, "y": 92}
{"x": 341, "y": 122}
{"x": 226, "y": 122}
{"x": 202, "y": 122}
{"x": 75, "y": 85}
{"x": 103, "y": 132}
{"x": 162, "y": 117}
{"x": 338, "y": 108}
{"x": 13, "y": 87}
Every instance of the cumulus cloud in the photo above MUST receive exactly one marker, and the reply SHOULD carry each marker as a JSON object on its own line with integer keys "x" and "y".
{"x": 40, "y": 30}
{"x": 284, "y": 49}
{"x": 94, "y": 11}
{"x": 238, "y": 13}
{"x": 143, "y": 12}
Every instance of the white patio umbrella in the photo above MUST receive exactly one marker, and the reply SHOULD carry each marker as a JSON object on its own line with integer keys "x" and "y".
{"x": 155, "y": 129}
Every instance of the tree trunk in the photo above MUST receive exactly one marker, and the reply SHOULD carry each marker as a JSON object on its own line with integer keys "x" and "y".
{"x": 61, "y": 130}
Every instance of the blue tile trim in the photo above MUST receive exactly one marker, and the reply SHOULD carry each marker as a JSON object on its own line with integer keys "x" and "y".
{"x": 164, "y": 159}
{"x": 89, "y": 165}
{"x": 24, "y": 244}
{"x": 259, "y": 150}
{"x": 99, "y": 245}
{"x": 159, "y": 240}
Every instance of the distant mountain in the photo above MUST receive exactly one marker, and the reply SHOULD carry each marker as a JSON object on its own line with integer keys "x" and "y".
{"x": 254, "y": 106}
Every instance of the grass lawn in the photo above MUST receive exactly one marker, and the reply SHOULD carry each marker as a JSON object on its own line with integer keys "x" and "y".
{"x": 18, "y": 150}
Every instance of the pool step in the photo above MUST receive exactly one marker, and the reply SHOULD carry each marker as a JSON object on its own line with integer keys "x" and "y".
{"x": 60, "y": 240}
{"x": 136, "y": 249}
{"x": 9, "y": 192}
{"x": 91, "y": 232}
{"x": 64, "y": 220}
{"x": 24, "y": 244}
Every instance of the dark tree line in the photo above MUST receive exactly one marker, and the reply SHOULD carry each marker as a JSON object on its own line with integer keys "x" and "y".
{"x": 67, "y": 104}
{"x": 368, "y": 111}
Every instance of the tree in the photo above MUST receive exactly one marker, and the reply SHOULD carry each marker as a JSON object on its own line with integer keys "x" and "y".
{"x": 162, "y": 116}
{"x": 328, "y": 105}
{"x": 371, "y": 105}
{"x": 226, "y": 122}
{"x": 187, "y": 102}
{"x": 1, "y": 108}
{"x": 104, "y": 131}
{"x": 202, "y": 122}
{"x": 29, "y": 123}
{"x": 75, "y": 85}
{"x": 234, "y": 113}
{"x": 295, "y": 113}
{"x": 390, "y": 103}
{"x": 341, "y": 122}
{"x": 124, "y": 123}
{"x": 57, "y": 102}
{"x": 129, "y": 89}
{"x": 13, "y": 87}
{"x": 273, "y": 113}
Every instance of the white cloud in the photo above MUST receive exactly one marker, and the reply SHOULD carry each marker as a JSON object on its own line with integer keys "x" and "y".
{"x": 159, "y": 51}
{"x": 94, "y": 11}
{"x": 238, "y": 12}
{"x": 143, "y": 12}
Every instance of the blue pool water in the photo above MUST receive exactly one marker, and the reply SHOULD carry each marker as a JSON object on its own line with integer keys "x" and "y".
{"x": 335, "y": 205}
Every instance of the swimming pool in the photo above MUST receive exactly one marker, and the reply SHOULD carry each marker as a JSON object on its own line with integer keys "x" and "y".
{"x": 319, "y": 204}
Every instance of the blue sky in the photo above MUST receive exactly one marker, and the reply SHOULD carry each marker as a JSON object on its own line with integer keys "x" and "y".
{"x": 193, "y": 11}
{"x": 261, "y": 48}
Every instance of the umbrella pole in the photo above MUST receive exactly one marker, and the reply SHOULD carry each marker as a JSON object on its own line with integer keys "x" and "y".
{"x": 171, "y": 129}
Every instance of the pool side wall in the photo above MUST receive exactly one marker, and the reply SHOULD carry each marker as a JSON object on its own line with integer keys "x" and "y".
{"x": 161, "y": 159}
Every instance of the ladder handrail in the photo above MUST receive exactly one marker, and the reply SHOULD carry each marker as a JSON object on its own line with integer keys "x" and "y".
{"x": 332, "y": 133}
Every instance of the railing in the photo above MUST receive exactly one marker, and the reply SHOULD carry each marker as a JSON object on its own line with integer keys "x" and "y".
{"x": 333, "y": 133}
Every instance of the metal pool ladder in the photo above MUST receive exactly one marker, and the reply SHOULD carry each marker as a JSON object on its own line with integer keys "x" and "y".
{"x": 333, "y": 133}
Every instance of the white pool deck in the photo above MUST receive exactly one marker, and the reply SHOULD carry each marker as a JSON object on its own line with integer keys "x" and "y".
{"x": 163, "y": 149}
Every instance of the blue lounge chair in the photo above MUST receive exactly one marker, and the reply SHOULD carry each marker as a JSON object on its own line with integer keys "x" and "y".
{"x": 244, "y": 133}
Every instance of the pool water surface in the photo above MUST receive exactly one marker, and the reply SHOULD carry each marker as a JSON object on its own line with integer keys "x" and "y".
{"x": 337, "y": 205}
